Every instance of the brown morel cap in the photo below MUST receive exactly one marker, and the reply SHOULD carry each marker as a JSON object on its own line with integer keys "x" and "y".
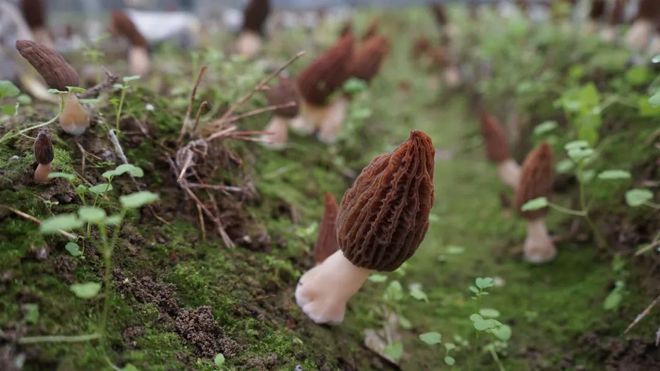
{"x": 440, "y": 14}
{"x": 535, "y": 179}
{"x": 33, "y": 12}
{"x": 497, "y": 146}
{"x": 282, "y": 93}
{"x": 367, "y": 59}
{"x": 326, "y": 242}
{"x": 50, "y": 64}
{"x": 421, "y": 46}
{"x": 123, "y": 25}
{"x": 383, "y": 217}
{"x": 43, "y": 148}
{"x": 618, "y": 13}
{"x": 597, "y": 9}
{"x": 649, "y": 10}
{"x": 255, "y": 15}
{"x": 372, "y": 29}
{"x": 326, "y": 73}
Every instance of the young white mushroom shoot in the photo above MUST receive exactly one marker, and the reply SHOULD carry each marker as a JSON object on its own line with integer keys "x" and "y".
{"x": 382, "y": 220}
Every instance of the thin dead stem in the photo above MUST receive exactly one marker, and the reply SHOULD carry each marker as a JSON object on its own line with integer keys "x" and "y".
{"x": 641, "y": 316}
{"x": 191, "y": 101}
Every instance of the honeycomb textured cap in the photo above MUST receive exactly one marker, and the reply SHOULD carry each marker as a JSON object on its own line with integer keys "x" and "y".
{"x": 368, "y": 58}
{"x": 494, "y": 136}
{"x": 326, "y": 242}
{"x": 535, "y": 180}
{"x": 123, "y": 25}
{"x": 326, "y": 73}
{"x": 282, "y": 93}
{"x": 43, "y": 148}
{"x": 255, "y": 15}
{"x": 55, "y": 70}
{"x": 384, "y": 216}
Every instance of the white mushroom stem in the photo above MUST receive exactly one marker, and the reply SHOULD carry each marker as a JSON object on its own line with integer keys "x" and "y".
{"x": 538, "y": 247}
{"x": 331, "y": 124}
{"x": 509, "y": 172}
{"x": 74, "y": 119}
{"x": 639, "y": 34}
{"x": 608, "y": 33}
{"x": 452, "y": 76}
{"x": 42, "y": 37}
{"x": 138, "y": 60}
{"x": 41, "y": 173}
{"x": 277, "y": 132}
{"x": 310, "y": 118}
{"x": 323, "y": 291}
{"x": 248, "y": 44}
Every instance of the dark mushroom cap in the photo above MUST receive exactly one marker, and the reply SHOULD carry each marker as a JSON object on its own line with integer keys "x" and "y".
{"x": 535, "y": 180}
{"x": 618, "y": 13}
{"x": 50, "y": 64}
{"x": 383, "y": 217}
{"x": 372, "y": 29}
{"x": 255, "y": 15}
{"x": 33, "y": 12}
{"x": 440, "y": 14}
{"x": 649, "y": 10}
{"x": 282, "y": 93}
{"x": 326, "y": 73}
{"x": 421, "y": 46}
{"x": 43, "y": 148}
{"x": 326, "y": 242}
{"x": 123, "y": 25}
{"x": 367, "y": 59}
{"x": 497, "y": 146}
{"x": 597, "y": 9}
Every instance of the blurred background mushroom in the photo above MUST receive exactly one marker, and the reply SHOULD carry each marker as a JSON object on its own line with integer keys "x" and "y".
{"x": 285, "y": 95}
{"x": 138, "y": 53}
{"x": 250, "y": 38}
{"x": 497, "y": 150}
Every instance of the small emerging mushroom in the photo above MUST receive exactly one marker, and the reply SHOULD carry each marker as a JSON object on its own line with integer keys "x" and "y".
{"x": 316, "y": 83}
{"x": 138, "y": 54}
{"x": 381, "y": 221}
{"x": 255, "y": 14}
{"x": 43, "y": 152}
{"x": 497, "y": 150}
{"x": 284, "y": 92}
{"x": 615, "y": 19}
{"x": 643, "y": 26}
{"x": 326, "y": 242}
{"x": 59, "y": 75}
{"x": 536, "y": 181}
{"x": 34, "y": 14}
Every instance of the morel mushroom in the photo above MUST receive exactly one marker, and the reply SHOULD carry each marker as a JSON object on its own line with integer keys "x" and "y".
{"x": 497, "y": 150}
{"x": 615, "y": 18}
{"x": 34, "y": 14}
{"x": 43, "y": 152}
{"x": 59, "y": 75}
{"x": 381, "y": 221}
{"x": 642, "y": 28}
{"x": 536, "y": 181}
{"x": 248, "y": 43}
{"x": 283, "y": 93}
{"x": 138, "y": 54}
{"x": 326, "y": 242}
{"x": 316, "y": 83}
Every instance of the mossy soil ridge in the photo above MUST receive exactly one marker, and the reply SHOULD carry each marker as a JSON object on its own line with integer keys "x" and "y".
{"x": 179, "y": 299}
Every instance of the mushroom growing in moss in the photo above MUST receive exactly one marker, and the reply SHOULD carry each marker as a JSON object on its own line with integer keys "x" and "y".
{"x": 497, "y": 150}
{"x": 249, "y": 41}
{"x": 138, "y": 54}
{"x": 59, "y": 75}
{"x": 326, "y": 242}
{"x": 43, "y": 152}
{"x": 285, "y": 92}
{"x": 536, "y": 181}
{"x": 382, "y": 220}
{"x": 316, "y": 83}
